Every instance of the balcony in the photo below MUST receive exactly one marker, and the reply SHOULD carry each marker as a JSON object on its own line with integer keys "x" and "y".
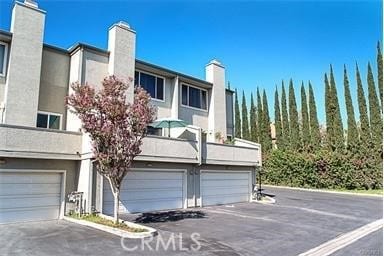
{"x": 164, "y": 149}
{"x": 214, "y": 153}
{"x": 30, "y": 142}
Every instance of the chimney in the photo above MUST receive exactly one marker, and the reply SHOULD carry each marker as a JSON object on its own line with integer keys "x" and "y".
{"x": 24, "y": 68}
{"x": 122, "y": 48}
{"x": 217, "y": 123}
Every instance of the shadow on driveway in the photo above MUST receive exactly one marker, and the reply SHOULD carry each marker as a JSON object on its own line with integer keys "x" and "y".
{"x": 169, "y": 216}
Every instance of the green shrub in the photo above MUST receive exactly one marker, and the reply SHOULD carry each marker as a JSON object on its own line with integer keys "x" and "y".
{"x": 323, "y": 169}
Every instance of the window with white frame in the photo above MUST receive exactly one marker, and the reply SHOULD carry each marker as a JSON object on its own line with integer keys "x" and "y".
{"x": 193, "y": 97}
{"x": 49, "y": 120}
{"x": 3, "y": 57}
{"x": 154, "y": 85}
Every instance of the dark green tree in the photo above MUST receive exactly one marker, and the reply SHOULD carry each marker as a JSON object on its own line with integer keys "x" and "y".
{"x": 285, "y": 138}
{"x": 295, "y": 142}
{"x": 259, "y": 116}
{"x": 244, "y": 118}
{"x": 305, "y": 130}
{"x": 278, "y": 126}
{"x": 237, "y": 117}
{"x": 313, "y": 121}
{"x": 337, "y": 126}
{"x": 365, "y": 131}
{"x": 266, "y": 125}
{"x": 374, "y": 112}
{"x": 328, "y": 111}
{"x": 352, "y": 133}
{"x": 253, "y": 120}
{"x": 380, "y": 72}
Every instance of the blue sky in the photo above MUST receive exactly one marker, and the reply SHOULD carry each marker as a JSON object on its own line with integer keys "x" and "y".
{"x": 259, "y": 42}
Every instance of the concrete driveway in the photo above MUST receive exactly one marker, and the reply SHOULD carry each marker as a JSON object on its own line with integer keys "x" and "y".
{"x": 298, "y": 222}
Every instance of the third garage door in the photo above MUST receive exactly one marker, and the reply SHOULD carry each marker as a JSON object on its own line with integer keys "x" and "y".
{"x": 225, "y": 187}
{"x": 147, "y": 190}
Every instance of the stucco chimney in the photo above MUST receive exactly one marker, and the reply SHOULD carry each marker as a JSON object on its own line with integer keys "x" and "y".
{"x": 122, "y": 48}
{"x": 215, "y": 74}
{"x": 24, "y": 68}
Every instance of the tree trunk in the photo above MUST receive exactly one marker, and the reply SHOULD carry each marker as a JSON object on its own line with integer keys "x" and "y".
{"x": 116, "y": 196}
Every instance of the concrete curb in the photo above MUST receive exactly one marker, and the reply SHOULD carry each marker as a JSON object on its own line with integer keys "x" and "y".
{"x": 324, "y": 191}
{"x": 122, "y": 233}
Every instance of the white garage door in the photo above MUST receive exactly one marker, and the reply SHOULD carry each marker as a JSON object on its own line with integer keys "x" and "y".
{"x": 225, "y": 187}
{"x": 144, "y": 191}
{"x": 29, "y": 196}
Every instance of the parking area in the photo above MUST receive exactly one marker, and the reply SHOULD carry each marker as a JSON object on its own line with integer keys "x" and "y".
{"x": 299, "y": 221}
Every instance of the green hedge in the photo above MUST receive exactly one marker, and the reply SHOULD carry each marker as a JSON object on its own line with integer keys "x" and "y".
{"x": 323, "y": 169}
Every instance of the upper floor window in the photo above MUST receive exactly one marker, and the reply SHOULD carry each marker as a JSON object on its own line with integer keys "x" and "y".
{"x": 3, "y": 58}
{"x": 193, "y": 97}
{"x": 48, "y": 120}
{"x": 154, "y": 85}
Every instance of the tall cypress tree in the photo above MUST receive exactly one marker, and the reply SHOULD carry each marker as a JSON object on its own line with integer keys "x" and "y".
{"x": 285, "y": 139}
{"x": 313, "y": 121}
{"x": 259, "y": 117}
{"x": 365, "y": 131}
{"x": 374, "y": 112}
{"x": 237, "y": 117}
{"x": 305, "y": 133}
{"x": 337, "y": 123}
{"x": 293, "y": 119}
{"x": 278, "y": 126}
{"x": 328, "y": 112}
{"x": 380, "y": 71}
{"x": 244, "y": 118}
{"x": 253, "y": 120}
{"x": 266, "y": 124}
{"x": 352, "y": 133}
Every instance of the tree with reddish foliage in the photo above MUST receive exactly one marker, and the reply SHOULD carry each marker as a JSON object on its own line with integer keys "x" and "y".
{"x": 115, "y": 126}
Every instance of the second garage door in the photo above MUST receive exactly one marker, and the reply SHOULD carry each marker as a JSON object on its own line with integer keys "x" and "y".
{"x": 144, "y": 191}
{"x": 225, "y": 187}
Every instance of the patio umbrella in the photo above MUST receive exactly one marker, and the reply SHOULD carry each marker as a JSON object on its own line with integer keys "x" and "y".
{"x": 168, "y": 123}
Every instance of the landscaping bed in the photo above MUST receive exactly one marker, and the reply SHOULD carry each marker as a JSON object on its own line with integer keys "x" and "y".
{"x": 106, "y": 223}
{"x": 103, "y": 221}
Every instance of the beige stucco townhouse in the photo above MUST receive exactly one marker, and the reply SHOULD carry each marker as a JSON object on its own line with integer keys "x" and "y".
{"x": 44, "y": 155}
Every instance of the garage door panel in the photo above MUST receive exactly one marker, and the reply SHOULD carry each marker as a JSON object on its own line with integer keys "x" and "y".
{"x": 29, "y": 196}
{"x": 138, "y": 206}
{"x": 11, "y": 178}
{"x": 225, "y": 183}
{"x": 225, "y": 176}
{"x": 226, "y": 199}
{"x": 28, "y": 189}
{"x": 143, "y": 175}
{"x": 146, "y": 194}
{"x": 147, "y": 191}
{"x": 22, "y": 202}
{"x": 225, "y": 190}
{"x": 27, "y": 214}
{"x": 147, "y": 184}
{"x": 225, "y": 187}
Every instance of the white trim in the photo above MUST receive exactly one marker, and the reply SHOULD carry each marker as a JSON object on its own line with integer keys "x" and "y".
{"x": 51, "y": 113}
{"x": 63, "y": 183}
{"x": 185, "y": 182}
{"x": 5, "y": 60}
{"x": 232, "y": 171}
{"x": 199, "y": 88}
{"x": 156, "y": 76}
